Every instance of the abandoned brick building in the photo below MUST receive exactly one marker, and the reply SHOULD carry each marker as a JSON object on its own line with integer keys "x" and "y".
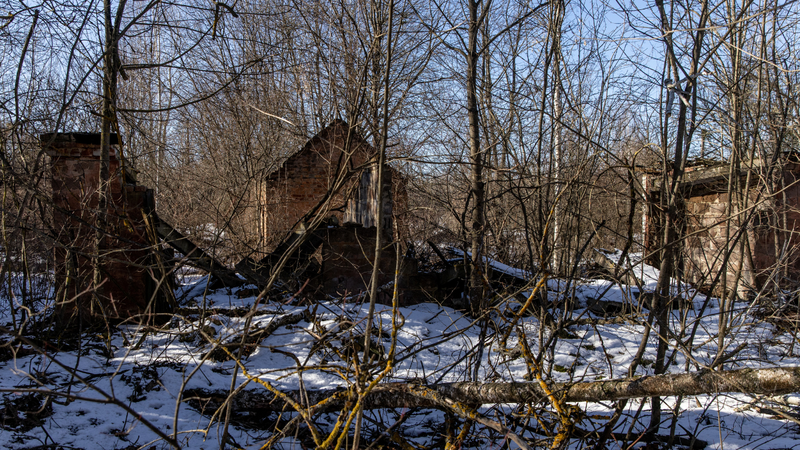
{"x": 755, "y": 237}
{"x": 120, "y": 250}
{"x": 336, "y": 160}
{"x": 334, "y": 177}
{"x": 131, "y": 275}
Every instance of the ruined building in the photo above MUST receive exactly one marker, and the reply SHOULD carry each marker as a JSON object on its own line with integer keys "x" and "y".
{"x": 336, "y": 160}
{"x": 334, "y": 177}
{"x": 754, "y": 233}
{"x": 321, "y": 217}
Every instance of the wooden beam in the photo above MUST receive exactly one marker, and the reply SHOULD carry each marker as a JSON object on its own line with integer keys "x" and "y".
{"x": 194, "y": 255}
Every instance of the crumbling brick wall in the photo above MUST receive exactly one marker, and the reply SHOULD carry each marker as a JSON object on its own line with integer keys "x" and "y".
{"x": 705, "y": 246}
{"x": 775, "y": 230}
{"x": 131, "y": 279}
{"x": 763, "y": 240}
{"x": 301, "y": 184}
{"x": 348, "y": 254}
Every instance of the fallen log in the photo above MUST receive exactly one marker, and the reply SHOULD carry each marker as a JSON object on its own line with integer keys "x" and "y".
{"x": 240, "y": 311}
{"x": 684, "y": 441}
{"x": 778, "y": 380}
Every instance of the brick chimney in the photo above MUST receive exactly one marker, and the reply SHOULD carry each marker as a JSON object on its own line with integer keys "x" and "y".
{"x": 131, "y": 267}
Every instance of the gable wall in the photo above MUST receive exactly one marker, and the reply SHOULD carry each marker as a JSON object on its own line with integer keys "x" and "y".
{"x": 304, "y": 179}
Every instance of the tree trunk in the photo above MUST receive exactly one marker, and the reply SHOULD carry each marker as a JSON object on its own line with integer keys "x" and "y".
{"x": 477, "y": 193}
{"x": 104, "y": 177}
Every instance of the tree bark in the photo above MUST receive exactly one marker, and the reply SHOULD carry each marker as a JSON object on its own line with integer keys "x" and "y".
{"x": 477, "y": 191}
{"x": 779, "y": 380}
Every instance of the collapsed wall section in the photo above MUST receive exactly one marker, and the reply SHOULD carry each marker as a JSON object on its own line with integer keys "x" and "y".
{"x": 738, "y": 242}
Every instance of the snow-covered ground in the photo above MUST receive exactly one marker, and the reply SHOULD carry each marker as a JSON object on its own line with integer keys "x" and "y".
{"x": 105, "y": 387}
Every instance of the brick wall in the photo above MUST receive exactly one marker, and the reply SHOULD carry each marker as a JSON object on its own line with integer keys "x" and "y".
{"x": 769, "y": 229}
{"x": 299, "y": 185}
{"x": 129, "y": 268}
